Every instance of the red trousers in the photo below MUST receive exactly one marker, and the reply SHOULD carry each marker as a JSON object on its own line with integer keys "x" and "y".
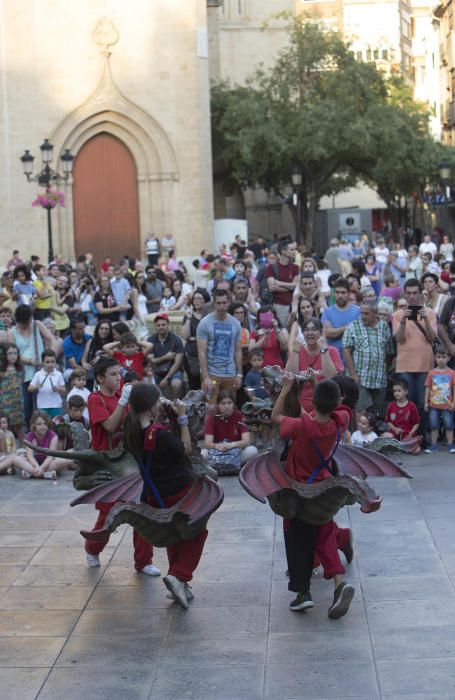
{"x": 183, "y": 556}
{"x": 143, "y": 550}
{"x": 330, "y": 538}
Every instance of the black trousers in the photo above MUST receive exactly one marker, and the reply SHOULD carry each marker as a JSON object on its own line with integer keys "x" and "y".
{"x": 300, "y": 541}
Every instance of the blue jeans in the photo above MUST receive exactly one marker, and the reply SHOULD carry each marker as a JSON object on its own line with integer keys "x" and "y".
{"x": 435, "y": 418}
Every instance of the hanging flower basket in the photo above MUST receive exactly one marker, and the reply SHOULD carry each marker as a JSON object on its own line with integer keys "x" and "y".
{"x": 50, "y": 199}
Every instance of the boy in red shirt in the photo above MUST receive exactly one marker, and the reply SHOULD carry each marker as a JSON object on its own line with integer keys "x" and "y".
{"x": 314, "y": 437}
{"x": 129, "y": 352}
{"x": 107, "y": 410}
{"x": 402, "y": 416}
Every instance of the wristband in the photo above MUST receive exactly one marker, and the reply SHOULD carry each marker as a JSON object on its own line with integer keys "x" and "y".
{"x": 182, "y": 420}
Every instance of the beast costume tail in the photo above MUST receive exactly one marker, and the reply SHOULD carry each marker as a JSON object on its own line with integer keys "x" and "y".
{"x": 265, "y": 479}
{"x": 159, "y": 526}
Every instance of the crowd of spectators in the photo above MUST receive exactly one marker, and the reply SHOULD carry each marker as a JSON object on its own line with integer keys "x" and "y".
{"x": 374, "y": 311}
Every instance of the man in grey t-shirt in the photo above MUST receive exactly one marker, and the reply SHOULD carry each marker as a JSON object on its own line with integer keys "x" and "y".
{"x": 219, "y": 349}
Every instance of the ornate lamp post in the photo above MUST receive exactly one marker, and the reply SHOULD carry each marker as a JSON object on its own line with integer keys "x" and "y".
{"x": 296, "y": 179}
{"x": 47, "y": 177}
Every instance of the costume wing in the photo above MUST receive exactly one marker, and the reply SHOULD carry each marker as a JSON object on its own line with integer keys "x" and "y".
{"x": 165, "y": 526}
{"x": 360, "y": 462}
{"x": 387, "y": 444}
{"x": 126, "y": 488}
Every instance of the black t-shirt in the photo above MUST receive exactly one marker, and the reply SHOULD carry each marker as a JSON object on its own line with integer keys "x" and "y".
{"x": 173, "y": 343}
{"x": 108, "y": 302}
{"x": 168, "y": 467}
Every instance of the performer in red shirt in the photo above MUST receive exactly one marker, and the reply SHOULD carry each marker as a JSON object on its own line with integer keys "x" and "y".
{"x": 314, "y": 438}
{"x": 107, "y": 410}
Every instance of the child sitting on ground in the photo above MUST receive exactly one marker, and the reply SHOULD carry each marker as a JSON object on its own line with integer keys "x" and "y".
{"x": 61, "y": 424}
{"x": 41, "y": 435}
{"x": 364, "y": 434}
{"x": 402, "y": 416}
{"x": 440, "y": 399}
{"x": 253, "y": 377}
{"x": 49, "y": 384}
{"x": 78, "y": 381}
{"x": 9, "y": 459}
{"x": 129, "y": 352}
{"x": 314, "y": 437}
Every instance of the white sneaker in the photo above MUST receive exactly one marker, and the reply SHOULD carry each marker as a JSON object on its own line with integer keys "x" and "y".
{"x": 177, "y": 588}
{"x": 150, "y": 570}
{"x": 188, "y": 592}
{"x": 50, "y": 475}
{"x": 93, "y": 560}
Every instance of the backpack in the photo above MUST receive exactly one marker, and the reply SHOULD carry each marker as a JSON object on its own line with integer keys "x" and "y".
{"x": 265, "y": 295}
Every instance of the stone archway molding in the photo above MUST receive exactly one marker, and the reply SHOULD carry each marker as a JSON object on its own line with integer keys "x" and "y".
{"x": 108, "y": 110}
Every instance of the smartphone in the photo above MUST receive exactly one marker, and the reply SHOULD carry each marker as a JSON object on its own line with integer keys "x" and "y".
{"x": 414, "y": 312}
{"x": 266, "y": 319}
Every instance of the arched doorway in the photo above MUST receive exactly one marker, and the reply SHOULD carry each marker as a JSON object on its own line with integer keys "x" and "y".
{"x": 105, "y": 200}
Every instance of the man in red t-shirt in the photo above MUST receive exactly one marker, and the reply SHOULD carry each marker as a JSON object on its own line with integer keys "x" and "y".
{"x": 107, "y": 409}
{"x": 282, "y": 278}
{"x": 314, "y": 438}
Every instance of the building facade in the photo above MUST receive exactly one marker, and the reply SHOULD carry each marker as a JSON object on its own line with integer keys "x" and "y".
{"x": 128, "y": 93}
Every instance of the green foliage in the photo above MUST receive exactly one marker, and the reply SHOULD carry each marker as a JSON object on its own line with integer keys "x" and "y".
{"x": 341, "y": 119}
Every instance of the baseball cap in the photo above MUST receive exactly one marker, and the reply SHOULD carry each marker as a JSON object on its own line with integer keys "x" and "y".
{"x": 164, "y": 317}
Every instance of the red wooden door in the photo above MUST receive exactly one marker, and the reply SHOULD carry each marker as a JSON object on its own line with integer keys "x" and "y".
{"x": 105, "y": 200}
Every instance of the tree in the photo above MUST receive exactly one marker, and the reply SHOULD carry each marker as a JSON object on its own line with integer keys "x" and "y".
{"x": 315, "y": 106}
{"x": 341, "y": 119}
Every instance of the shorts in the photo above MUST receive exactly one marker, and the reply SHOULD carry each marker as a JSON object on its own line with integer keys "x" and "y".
{"x": 52, "y": 412}
{"x": 177, "y": 375}
{"x": 371, "y": 399}
{"x": 435, "y": 418}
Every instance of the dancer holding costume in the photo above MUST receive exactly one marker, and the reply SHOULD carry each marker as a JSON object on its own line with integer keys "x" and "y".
{"x": 315, "y": 437}
{"x": 167, "y": 477}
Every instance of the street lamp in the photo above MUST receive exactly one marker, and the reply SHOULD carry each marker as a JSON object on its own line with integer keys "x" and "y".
{"x": 444, "y": 174}
{"x": 47, "y": 177}
{"x": 297, "y": 179}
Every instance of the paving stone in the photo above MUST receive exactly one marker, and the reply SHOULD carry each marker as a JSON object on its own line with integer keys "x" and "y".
{"x": 23, "y": 685}
{"x": 380, "y": 588}
{"x": 34, "y": 652}
{"x": 429, "y": 676}
{"x": 235, "y": 648}
{"x": 208, "y": 683}
{"x": 57, "y": 576}
{"x": 94, "y": 623}
{"x": 46, "y": 598}
{"x": 351, "y": 679}
{"x": 24, "y": 539}
{"x": 16, "y": 555}
{"x": 114, "y": 684}
{"x": 207, "y": 622}
{"x": 406, "y": 613}
{"x": 113, "y": 652}
{"x": 64, "y": 556}
{"x": 39, "y": 623}
{"x": 419, "y": 642}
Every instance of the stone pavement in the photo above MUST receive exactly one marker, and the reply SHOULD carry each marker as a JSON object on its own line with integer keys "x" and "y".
{"x": 109, "y": 633}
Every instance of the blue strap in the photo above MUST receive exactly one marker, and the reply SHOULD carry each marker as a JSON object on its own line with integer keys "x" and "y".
{"x": 145, "y": 473}
{"x": 324, "y": 462}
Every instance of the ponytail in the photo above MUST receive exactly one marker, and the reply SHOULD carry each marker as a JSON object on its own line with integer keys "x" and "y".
{"x": 143, "y": 397}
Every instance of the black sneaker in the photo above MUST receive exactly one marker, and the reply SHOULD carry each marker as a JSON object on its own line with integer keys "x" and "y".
{"x": 342, "y": 598}
{"x": 303, "y": 601}
{"x": 348, "y": 551}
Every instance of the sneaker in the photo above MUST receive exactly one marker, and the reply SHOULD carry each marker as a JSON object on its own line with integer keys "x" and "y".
{"x": 50, "y": 475}
{"x": 348, "y": 550}
{"x": 431, "y": 449}
{"x": 93, "y": 560}
{"x": 342, "y": 598}
{"x": 177, "y": 588}
{"x": 188, "y": 592}
{"x": 451, "y": 449}
{"x": 150, "y": 570}
{"x": 303, "y": 601}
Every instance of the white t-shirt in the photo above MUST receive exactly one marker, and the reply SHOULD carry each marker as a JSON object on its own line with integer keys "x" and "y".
{"x": 47, "y": 397}
{"x": 381, "y": 254}
{"x": 429, "y": 247}
{"x": 84, "y": 393}
{"x": 361, "y": 439}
